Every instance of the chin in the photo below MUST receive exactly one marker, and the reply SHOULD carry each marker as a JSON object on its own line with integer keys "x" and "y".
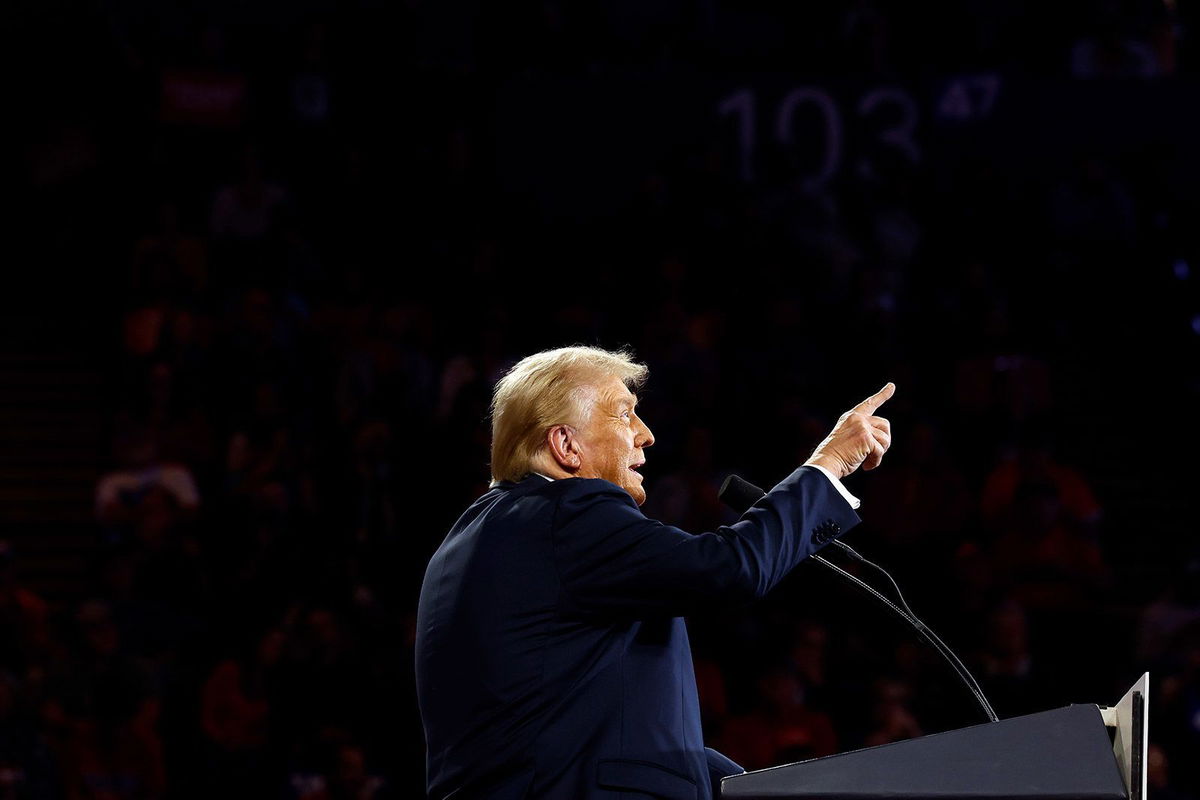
{"x": 637, "y": 493}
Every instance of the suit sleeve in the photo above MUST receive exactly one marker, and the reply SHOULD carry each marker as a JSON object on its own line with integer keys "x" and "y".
{"x": 612, "y": 559}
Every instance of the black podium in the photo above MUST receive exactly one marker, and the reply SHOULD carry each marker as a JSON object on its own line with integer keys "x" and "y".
{"x": 1081, "y": 752}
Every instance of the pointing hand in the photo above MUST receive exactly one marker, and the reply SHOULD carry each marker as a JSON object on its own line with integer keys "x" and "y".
{"x": 858, "y": 439}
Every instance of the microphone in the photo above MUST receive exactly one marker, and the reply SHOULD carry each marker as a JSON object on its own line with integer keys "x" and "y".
{"x": 739, "y": 494}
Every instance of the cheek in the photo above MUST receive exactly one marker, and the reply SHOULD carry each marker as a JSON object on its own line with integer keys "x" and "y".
{"x": 618, "y": 467}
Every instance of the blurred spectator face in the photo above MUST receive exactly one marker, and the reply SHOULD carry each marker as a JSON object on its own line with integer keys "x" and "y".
{"x": 267, "y": 402}
{"x": 135, "y": 449}
{"x": 156, "y": 517}
{"x": 160, "y": 381}
{"x": 1156, "y": 768}
{"x": 142, "y": 330}
{"x": 119, "y": 576}
{"x": 372, "y": 441}
{"x": 325, "y": 631}
{"x": 257, "y": 313}
{"x": 907, "y": 658}
{"x": 780, "y": 689}
{"x": 889, "y": 694}
{"x": 183, "y": 327}
{"x": 270, "y": 649}
{"x": 352, "y": 767}
{"x": 99, "y": 632}
{"x": 1034, "y": 458}
{"x": 240, "y": 453}
{"x": 808, "y": 652}
{"x": 703, "y": 331}
{"x": 1007, "y": 633}
{"x": 923, "y": 446}
{"x": 612, "y": 438}
{"x": 1037, "y": 506}
{"x": 892, "y": 719}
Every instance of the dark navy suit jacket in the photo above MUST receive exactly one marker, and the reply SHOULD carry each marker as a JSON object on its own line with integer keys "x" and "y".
{"x": 552, "y": 658}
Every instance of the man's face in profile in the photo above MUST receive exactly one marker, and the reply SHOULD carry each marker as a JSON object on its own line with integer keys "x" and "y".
{"x": 612, "y": 438}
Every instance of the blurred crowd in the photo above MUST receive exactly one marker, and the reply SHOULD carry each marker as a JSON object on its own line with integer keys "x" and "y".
{"x": 309, "y": 278}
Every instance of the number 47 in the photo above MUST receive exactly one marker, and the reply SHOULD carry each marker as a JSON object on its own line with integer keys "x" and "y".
{"x": 969, "y": 97}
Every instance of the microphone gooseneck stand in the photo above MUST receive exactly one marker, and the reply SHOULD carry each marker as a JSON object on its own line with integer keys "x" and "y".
{"x": 740, "y": 494}
{"x": 923, "y": 630}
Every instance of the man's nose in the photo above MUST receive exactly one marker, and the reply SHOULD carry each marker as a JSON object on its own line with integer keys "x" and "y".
{"x": 646, "y": 437}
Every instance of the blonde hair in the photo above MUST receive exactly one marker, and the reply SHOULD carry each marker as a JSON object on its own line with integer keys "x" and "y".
{"x": 544, "y": 390}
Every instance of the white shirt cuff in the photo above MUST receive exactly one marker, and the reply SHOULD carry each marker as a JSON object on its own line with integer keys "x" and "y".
{"x": 837, "y": 484}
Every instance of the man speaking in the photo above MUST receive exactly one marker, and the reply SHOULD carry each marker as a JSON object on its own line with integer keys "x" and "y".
{"x": 552, "y": 658}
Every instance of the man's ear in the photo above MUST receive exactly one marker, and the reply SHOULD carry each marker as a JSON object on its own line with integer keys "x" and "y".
{"x": 564, "y": 447}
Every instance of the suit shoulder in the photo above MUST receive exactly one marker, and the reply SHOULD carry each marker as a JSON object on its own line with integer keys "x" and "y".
{"x": 563, "y": 499}
{"x": 589, "y": 490}
{"x": 592, "y": 504}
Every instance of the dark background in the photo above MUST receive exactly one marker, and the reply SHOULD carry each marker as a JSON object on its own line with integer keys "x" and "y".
{"x": 264, "y": 262}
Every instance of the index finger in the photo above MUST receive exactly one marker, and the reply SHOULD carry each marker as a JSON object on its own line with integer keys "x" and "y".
{"x": 873, "y": 402}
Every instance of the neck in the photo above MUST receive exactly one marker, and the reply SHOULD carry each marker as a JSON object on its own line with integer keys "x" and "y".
{"x": 546, "y": 465}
